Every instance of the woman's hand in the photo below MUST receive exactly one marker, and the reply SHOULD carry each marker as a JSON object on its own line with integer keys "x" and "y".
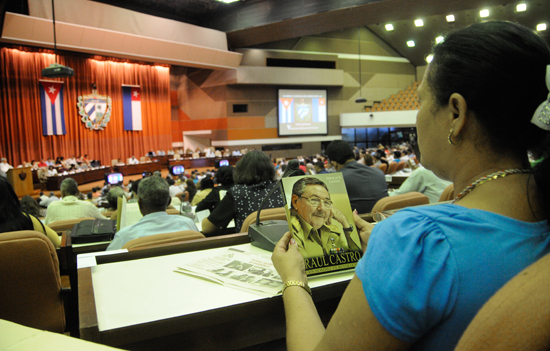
{"x": 339, "y": 216}
{"x": 288, "y": 262}
{"x": 364, "y": 228}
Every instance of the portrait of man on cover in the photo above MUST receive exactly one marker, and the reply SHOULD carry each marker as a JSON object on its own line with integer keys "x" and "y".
{"x": 318, "y": 227}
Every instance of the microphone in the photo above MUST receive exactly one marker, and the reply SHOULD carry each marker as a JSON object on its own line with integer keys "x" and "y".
{"x": 266, "y": 235}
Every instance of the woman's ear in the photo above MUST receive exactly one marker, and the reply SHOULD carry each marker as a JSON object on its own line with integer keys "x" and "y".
{"x": 458, "y": 109}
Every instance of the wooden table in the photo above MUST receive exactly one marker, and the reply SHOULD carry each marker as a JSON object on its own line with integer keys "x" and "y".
{"x": 140, "y": 304}
{"x": 127, "y": 170}
{"x": 210, "y": 162}
{"x": 83, "y": 177}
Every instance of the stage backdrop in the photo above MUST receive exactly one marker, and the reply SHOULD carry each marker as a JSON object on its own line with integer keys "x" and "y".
{"x": 21, "y": 114}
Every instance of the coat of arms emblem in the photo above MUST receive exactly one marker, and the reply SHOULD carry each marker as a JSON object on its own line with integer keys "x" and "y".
{"x": 95, "y": 110}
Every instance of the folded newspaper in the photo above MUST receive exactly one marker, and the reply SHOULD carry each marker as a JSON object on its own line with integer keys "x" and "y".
{"x": 237, "y": 269}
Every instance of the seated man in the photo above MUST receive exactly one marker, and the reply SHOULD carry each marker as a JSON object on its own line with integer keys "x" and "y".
{"x": 317, "y": 226}
{"x": 70, "y": 207}
{"x": 133, "y": 161}
{"x": 153, "y": 198}
{"x": 365, "y": 185}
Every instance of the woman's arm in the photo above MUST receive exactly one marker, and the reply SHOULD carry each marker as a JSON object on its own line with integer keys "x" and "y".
{"x": 50, "y": 233}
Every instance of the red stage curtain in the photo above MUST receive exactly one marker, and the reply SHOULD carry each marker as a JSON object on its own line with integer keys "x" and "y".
{"x": 20, "y": 109}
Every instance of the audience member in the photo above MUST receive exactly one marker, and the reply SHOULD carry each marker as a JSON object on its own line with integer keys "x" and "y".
{"x": 112, "y": 199}
{"x": 224, "y": 178}
{"x": 70, "y": 207}
{"x": 365, "y": 185}
{"x": 4, "y": 165}
{"x": 254, "y": 177}
{"x": 206, "y": 186}
{"x": 424, "y": 181}
{"x": 190, "y": 190}
{"x": 12, "y": 217}
{"x": 427, "y": 270}
{"x": 49, "y": 200}
{"x": 320, "y": 167}
{"x": 30, "y": 206}
{"x": 153, "y": 198}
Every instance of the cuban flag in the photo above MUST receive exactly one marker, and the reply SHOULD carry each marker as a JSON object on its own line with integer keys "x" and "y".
{"x": 53, "y": 115}
{"x": 286, "y": 106}
{"x": 131, "y": 103}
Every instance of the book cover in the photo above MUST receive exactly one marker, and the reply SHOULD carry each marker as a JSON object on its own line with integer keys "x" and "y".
{"x": 320, "y": 219}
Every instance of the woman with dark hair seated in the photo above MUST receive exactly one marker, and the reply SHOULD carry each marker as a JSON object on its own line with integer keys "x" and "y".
{"x": 189, "y": 193}
{"x": 206, "y": 186}
{"x": 427, "y": 270}
{"x": 30, "y": 206}
{"x": 254, "y": 177}
{"x": 224, "y": 178}
{"x": 12, "y": 217}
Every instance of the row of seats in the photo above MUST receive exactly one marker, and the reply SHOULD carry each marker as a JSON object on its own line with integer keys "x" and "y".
{"x": 405, "y": 100}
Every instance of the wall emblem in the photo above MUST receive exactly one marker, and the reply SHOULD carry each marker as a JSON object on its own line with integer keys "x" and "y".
{"x": 95, "y": 110}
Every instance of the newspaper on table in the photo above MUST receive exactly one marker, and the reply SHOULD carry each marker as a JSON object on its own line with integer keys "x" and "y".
{"x": 239, "y": 270}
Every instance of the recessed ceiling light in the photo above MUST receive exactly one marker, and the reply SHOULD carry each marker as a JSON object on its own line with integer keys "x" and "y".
{"x": 541, "y": 27}
{"x": 410, "y": 43}
{"x": 418, "y": 23}
{"x": 450, "y": 18}
{"x": 429, "y": 58}
{"x": 389, "y": 27}
{"x": 521, "y": 7}
{"x": 484, "y": 13}
{"x": 227, "y": 1}
{"x": 439, "y": 39}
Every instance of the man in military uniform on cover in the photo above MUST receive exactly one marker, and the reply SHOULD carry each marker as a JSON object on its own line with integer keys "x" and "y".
{"x": 317, "y": 226}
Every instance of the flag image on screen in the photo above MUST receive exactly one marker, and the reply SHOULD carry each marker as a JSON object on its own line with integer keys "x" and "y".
{"x": 302, "y": 112}
{"x": 286, "y": 109}
{"x": 114, "y": 178}
{"x": 131, "y": 103}
{"x": 53, "y": 114}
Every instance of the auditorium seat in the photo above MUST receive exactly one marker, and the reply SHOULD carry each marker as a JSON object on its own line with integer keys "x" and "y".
{"x": 413, "y": 198}
{"x": 162, "y": 239}
{"x": 31, "y": 289}
{"x": 516, "y": 317}
{"x": 266, "y": 215}
{"x": 392, "y": 167}
{"x": 448, "y": 193}
{"x": 66, "y": 224}
{"x": 383, "y": 167}
{"x": 400, "y": 166}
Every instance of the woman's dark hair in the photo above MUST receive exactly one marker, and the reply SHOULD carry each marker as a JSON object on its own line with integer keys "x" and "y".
{"x": 224, "y": 175}
{"x": 499, "y": 68}
{"x": 397, "y": 154}
{"x": 253, "y": 168}
{"x": 191, "y": 189}
{"x": 11, "y": 216}
{"x": 369, "y": 160}
{"x": 207, "y": 183}
{"x": 30, "y": 206}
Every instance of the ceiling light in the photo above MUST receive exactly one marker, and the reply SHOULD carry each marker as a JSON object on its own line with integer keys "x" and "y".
{"x": 541, "y": 27}
{"x": 521, "y": 7}
{"x": 389, "y": 27}
{"x": 451, "y": 18}
{"x": 429, "y": 58}
{"x": 439, "y": 39}
{"x": 484, "y": 13}
{"x": 410, "y": 43}
{"x": 418, "y": 23}
{"x": 227, "y": 1}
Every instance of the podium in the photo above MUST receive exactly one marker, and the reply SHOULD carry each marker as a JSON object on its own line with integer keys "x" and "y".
{"x": 21, "y": 180}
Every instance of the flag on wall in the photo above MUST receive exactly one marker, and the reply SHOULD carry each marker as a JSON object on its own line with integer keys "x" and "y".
{"x": 131, "y": 103}
{"x": 53, "y": 114}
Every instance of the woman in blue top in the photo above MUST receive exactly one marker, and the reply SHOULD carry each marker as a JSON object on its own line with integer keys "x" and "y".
{"x": 427, "y": 270}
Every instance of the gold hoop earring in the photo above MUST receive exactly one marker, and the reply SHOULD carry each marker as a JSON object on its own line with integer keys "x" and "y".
{"x": 450, "y": 140}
